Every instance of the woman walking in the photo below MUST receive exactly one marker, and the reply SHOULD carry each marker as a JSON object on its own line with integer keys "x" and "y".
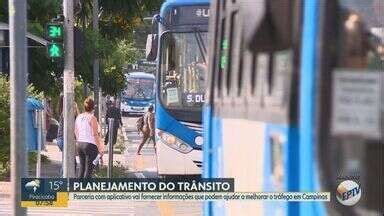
{"x": 88, "y": 140}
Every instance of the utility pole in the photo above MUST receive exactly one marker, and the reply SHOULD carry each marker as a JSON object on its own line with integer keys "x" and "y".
{"x": 39, "y": 121}
{"x": 17, "y": 11}
{"x": 69, "y": 79}
{"x": 96, "y": 62}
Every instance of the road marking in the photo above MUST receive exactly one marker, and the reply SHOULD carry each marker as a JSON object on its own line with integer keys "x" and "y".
{"x": 139, "y": 175}
{"x": 125, "y": 136}
{"x": 166, "y": 209}
{"x": 151, "y": 169}
{"x": 136, "y": 140}
{"x": 138, "y": 163}
{"x": 5, "y": 187}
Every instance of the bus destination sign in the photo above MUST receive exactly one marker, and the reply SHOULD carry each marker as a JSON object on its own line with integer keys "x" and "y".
{"x": 189, "y": 15}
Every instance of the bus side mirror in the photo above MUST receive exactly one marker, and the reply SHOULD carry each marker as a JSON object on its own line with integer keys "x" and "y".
{"x": 152, "y": 40}
{"x": 151, "y": 47}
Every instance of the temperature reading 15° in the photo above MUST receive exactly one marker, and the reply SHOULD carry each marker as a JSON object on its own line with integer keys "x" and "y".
{"x": 55, "y": 185}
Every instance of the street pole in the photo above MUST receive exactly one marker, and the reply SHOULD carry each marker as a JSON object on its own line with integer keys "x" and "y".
{"x": 110, "y": 147}
{"x": 69, "y": 71}
{"x": 17, "y": 10}
{"x": 96, "y": 62}
{"x": 39, "y": 122}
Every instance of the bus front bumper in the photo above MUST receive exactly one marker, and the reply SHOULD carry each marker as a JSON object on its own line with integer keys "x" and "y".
{"x": 126, "y": 109}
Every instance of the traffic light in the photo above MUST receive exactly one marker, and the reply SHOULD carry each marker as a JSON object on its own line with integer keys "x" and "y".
{"x": 54, "y": 31}
{"x": 55, "y": 50}
{"x": 55, "y": 34}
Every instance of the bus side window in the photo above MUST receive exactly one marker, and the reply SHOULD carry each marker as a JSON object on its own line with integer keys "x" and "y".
{"x": 251, "y": 14}
{"x": 274, "y": 31}
{"x": 250, "y": 64}
{"x": 211, "y": 90}
{"x": 350, "y": 132}
{"x": 272, "y": 42}
{"x": 231, "y": 57}
{"x": 241, "y": 89}
{"x": 280, "y": 76}
{"x": 235, "y": 52}
{"x": 221, "y": 47}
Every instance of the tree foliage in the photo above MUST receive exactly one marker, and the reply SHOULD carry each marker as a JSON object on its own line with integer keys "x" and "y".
{"x": 4, "y": 124}
{"x": 118, "y": 18}
{"x": 5, "y": 120}
{"x": 112, "y": 78}
{"x": 95, "y": 45}
{"x": 113, "y": 43}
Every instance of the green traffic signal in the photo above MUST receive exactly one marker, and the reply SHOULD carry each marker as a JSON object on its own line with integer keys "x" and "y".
{"x": 55, "y": 50}
{"x": 54, "y": 31}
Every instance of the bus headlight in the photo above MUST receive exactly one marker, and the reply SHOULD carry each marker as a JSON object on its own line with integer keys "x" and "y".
{"x": 199, "y": 140}
{"x": 173, "y": 142}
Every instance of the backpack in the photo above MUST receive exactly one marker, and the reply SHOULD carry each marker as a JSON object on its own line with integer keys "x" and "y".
{"x": 140, "y": 123}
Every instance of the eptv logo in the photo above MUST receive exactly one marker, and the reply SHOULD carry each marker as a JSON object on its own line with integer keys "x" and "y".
{"x": 348, "y": 193}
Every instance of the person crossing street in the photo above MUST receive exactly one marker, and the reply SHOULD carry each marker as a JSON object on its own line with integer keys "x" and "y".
{"x": 148, "y": 128}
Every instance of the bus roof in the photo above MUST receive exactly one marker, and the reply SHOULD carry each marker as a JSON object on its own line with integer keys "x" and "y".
{"x": 140, "y": 75}
{"x": 171, "y": 3}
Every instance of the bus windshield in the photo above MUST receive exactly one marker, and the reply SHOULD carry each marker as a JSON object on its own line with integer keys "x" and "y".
{"x": 139, "y": 89}
{"x": 183, "y": 70}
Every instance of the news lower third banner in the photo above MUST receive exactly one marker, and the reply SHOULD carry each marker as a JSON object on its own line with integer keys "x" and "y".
{"x": 57, "y": 192}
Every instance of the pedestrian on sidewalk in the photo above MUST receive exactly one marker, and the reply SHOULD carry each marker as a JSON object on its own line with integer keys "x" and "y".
{"x": 113, "y": 112}
{"x": 88, "y": 139}
{"x": 148, "y": 129}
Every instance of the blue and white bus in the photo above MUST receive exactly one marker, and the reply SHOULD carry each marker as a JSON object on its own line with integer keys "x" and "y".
{"x": 181, "y": 57}
{"x": 138, "y": 94}
{"x": 295, "y": 103}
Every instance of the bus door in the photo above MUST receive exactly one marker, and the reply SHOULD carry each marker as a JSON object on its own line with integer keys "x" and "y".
{"x": 350, "y": 105}
{"x": 252, "y": 99}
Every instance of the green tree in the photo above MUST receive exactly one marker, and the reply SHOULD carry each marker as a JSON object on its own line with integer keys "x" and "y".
{"x": 112, "y": 79}
{"x": 113, "y": 44}
{"x": 4, "y": 11}
{"x": 127, "y": 53}
{"x": 4, "y": 125}
{"x": 118, "y": 19}
{"x": 5, "y": 120}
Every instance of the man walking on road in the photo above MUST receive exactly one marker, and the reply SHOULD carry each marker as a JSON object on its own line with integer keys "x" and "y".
{"x": 148, "y": 128}
{"x": 113, "y": 112}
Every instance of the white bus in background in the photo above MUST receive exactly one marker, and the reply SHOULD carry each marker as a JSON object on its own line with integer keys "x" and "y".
{"x": 138, "y": 94}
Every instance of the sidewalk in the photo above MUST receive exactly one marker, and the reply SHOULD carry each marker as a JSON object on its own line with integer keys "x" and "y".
{"x": 52, "y": 168}
{"x": 49, "y": 169}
